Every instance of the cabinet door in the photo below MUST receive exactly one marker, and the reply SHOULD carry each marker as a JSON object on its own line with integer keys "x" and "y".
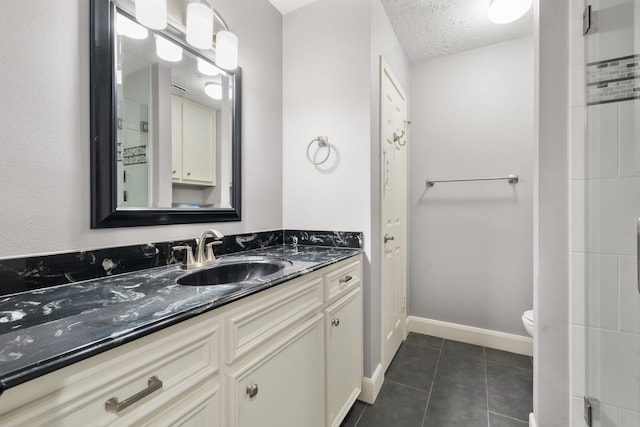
{"x": 176, "y": 138}
{"x": 343, "y": 341}
{"x": 197, "y": 144}
{"x": 283, "y": 385}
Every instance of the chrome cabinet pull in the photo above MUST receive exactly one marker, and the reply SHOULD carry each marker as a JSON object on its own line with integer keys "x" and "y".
{"x": 112, "y": 405}
{"x": 252, "y": 390}
{"x": 335, "y": 322}
{"x": 345, "y": 279}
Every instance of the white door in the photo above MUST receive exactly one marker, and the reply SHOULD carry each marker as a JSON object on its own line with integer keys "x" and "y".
{"x": 393, "y": 212}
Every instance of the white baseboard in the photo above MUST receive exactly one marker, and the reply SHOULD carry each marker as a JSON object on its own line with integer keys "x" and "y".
{"x": 532, "y": 420}
{"x": 469, "y": 334}
{"x": 371, "y": 386}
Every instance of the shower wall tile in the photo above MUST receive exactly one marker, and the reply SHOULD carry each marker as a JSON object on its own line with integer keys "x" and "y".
{"x": 594, "y": 290}
{"x": 578, "y": 360}
{"x": 601, "y": 160}
{"x": 613, "y": 366}
{"x": 608, "y": 38}
{"x": 578, "y": 216}
{"x": 629, "y": 138}
{"x": 578, "y": 98}
{"x": 578, "y": 142}
{"x": 629, "y": 418}
{"x": 604, "y": 415}
{"x": 629, "y": 296}
{"x": 611, "y": 215}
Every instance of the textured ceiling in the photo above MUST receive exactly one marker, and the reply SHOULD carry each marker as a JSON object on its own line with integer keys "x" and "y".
{"x": 430, "y": 28}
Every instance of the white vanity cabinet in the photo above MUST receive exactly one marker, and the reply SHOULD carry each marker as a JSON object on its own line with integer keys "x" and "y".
{"x": 288, "y": 356}
{"x": 129, "y": 385}
{"x": 282, "y": 385}
{"x": 343, "y": 339}
{"x": 193, "y": 148}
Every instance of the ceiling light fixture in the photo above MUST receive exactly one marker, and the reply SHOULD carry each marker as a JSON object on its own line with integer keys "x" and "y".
{"x": 214, "y": 90}
{"x": 167, "y": 50}
{"x": 199, "y": 25}
{"x": 152, "y": 13}
{"x": 226, "y": 50}
{"x": 506, "y": 11}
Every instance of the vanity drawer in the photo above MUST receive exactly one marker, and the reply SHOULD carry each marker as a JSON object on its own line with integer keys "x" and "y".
{"x": 156, "y": 370}
{"x": 268, "y": 315}
{"x": 343, "y": 277}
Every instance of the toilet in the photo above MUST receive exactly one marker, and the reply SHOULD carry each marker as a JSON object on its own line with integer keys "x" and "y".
{"x": 527, "y": 321}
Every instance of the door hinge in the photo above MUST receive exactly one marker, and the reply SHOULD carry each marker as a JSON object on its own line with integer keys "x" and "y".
{"x": 588, "y": 412}
{"x": 586, "y": 20}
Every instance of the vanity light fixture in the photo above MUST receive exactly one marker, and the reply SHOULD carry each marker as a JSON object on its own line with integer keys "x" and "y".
{"x": 152, "y": 13}
{"x": 199, "y": 25}
{"x": 207, "y": 69}
{"x": 133, "y": 30}
{"x": 226, "y": 50}
{"x": 506, "y": 11}
{"x": 214, "y": 90}
{"x": 167, "y": 50}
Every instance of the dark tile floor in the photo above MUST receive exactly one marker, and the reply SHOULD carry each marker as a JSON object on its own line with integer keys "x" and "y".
{"x": 433, "y": 382}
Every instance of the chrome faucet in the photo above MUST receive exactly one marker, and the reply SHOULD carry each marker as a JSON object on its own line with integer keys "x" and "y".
{"x": 201, "y": 258}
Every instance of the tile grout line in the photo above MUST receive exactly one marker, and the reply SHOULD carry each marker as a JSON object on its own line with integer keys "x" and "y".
{"x": 435, "y": 372}
{"x": 486, "y": 383}
{"x": 510, "y": 417}
{"x": 360, "y": 417}
{"x": 407, "y": 386}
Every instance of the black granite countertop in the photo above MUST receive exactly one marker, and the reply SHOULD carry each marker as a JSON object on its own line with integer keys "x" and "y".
{"x": 46, "y": 329}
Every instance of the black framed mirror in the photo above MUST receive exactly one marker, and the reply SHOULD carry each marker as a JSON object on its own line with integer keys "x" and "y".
{"x": 163, "y": 147}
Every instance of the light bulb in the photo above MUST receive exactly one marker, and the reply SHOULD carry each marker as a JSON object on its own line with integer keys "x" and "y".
{"x": 199, "y": 25}
{"x": 506, "y": 11}
{"x": 214, "y": 90}
{"x": 127, "y": 27}
{"x": 207, "y": 68}
{"x": 226, "y": 50}
{"x": 168, "y": 50}
{"x": 152, "y": 13}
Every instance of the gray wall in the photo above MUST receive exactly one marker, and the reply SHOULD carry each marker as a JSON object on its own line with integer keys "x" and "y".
{"x": 44, "y": 117}
{"x": 471, "y": 243}
{"x": 331, "y": 79}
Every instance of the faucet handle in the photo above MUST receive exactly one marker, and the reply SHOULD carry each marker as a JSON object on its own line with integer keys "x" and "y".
{"x": 189, "y": 261}
{"x": 210, "y": 255}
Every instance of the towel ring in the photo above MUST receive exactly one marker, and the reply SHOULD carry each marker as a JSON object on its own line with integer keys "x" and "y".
{"x": 323, "y": 142}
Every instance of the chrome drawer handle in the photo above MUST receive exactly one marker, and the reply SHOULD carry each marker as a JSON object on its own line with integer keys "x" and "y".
{"x": 345, "y": 279}
{"x": 112, "y": 405}
{"x": 335, "y": 322}
{"x": 252, "y": 390}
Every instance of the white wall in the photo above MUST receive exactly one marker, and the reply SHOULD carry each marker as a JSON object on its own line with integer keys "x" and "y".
{"x": 44, "y": 117}
{"x": 605, "y": 182}
{"x": 471, "y": 243}
{"x": 331, "y": 54}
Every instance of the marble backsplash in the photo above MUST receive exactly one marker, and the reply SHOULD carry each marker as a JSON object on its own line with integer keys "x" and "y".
{"x": 28, "y": 273}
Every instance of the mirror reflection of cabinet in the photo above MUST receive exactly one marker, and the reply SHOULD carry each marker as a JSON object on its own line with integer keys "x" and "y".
{"x": 192, "y": 143}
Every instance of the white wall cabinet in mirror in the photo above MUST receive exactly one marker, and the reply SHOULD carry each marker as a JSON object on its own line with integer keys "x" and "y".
{"x": 165, "y": 119}
{"x": 193, "y": 143}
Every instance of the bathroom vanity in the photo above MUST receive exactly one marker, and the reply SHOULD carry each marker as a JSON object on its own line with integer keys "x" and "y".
{"x": 140, "y": 349}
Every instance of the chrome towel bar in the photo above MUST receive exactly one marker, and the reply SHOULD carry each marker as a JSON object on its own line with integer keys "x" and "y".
{"x": 512, "y": 179}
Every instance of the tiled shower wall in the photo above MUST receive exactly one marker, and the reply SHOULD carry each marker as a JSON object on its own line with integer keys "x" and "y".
{"x": 605, "y": 205}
